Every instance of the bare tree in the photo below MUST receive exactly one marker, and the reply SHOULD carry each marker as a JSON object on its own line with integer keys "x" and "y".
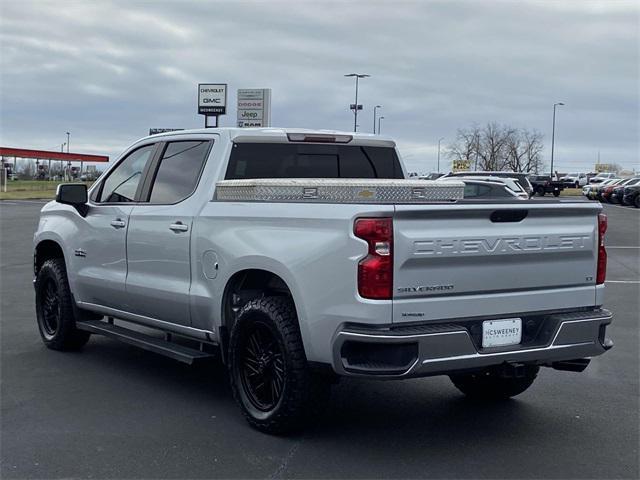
{"x": 498, "y": 147}
{"x": 533, "y": 148}
{"x": 465, "y": 147}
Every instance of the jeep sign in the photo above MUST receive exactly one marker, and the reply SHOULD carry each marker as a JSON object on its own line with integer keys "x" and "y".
{"x": 212, "y": 98}
{"x": 254, "y": 107}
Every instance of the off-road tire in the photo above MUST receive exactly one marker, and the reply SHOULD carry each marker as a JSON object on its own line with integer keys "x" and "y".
{"x": 540, "y": 191}
{"x": 490, "y": 385}
{"x": 303, "y": 394}
{"x": 61, "y": 334}
{"x": 556, "y": 194}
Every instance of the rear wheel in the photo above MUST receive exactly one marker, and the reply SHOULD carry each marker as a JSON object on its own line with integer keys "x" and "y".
{"x": 540, "y": 191}
{"x": 636, "y": 201}
{"x": 269, "y": 374}
{"x": 556, "y": 193}
{"x": 492, "y": 385}
{"x": 577, "y": 185}
{"x": 54, "y": 308}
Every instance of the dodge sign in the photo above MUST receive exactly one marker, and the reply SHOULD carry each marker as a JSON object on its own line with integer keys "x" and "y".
{"x": 254, "y": 107}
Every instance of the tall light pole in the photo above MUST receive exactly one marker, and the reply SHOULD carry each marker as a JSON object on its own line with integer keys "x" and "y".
{"x": 69, "y": 161}
{"x": 439, "y": 140}
{"x": 553, "y": 134}
{"x": 375, "y": 112}
{"x": 358, "y": 76}
{"x": 61, "y": 167}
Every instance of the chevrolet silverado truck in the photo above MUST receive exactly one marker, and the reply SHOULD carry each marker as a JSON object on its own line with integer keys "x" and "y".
{"x": 299, "y": 257}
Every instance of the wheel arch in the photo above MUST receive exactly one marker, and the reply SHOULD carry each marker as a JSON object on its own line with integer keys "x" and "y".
{"x": 243, "y": 286}
{"x": 46, "y": 249}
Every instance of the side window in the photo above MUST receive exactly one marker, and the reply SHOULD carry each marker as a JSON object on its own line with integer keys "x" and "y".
{"x": 122, "y": 182}
{"x": 179, "y": 171}
{"x": 474, "y": 190}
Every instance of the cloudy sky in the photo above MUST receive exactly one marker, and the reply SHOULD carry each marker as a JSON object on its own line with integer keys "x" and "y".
{"x": 107, "y": 71}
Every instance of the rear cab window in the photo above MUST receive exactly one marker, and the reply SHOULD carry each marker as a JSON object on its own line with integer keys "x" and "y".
{"x": 297, "y": 160}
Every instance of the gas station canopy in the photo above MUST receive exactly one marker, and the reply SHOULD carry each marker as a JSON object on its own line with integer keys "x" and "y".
{"x": 48, "y": 155}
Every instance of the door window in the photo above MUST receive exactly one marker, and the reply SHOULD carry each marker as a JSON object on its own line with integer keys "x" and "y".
{"x": 122, "y": 183}
{"x": 179, "y": 171}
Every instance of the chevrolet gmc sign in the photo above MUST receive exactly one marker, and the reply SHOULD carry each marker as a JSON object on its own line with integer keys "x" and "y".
{"x": 212, "y": 98}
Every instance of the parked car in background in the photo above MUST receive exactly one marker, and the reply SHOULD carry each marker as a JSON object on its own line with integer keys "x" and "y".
{"x": 574, "y": 180}
{"x": 618, "y": 191}
{"x": 522, "y": 178}
{"x": 596, "y": 189}
{"x": 601, "y": 177}
{"x": 431, "y": 176}
{"x": 586, "y": 190}
{"x": 493, "y": 187}
{"x": 543, "y": 184}
{"x": 632, "y": 195}
{"x": 605, "y": 192}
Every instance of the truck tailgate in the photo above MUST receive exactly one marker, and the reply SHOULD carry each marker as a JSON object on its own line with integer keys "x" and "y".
{"x": 474, "y": 260}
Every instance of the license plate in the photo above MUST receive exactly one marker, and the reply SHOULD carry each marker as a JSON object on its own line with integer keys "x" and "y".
{"x": 498, "y": 333}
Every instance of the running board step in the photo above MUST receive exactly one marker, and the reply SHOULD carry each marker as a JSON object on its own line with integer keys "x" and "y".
{"x": 146, "y": 342}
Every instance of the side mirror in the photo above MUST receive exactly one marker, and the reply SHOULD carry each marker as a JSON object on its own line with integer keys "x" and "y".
{"x": 74, "y": 194}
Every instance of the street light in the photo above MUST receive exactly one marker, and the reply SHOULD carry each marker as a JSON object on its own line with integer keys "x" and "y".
{"x": 355, "y": 106}
{"x": 61, "y": 167}
{"x": 379, "y": 120}
{"x": 375, "y": 111}
{"x": 439, "y": 140}
{"x": 553, "y": 134}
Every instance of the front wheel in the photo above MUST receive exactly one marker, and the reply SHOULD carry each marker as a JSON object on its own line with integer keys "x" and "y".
{"x": 636, "y": 202}
{"x": 540, "y": 191}
{"x": 491, "y": 385}
{"x": 556, "y": 193}
{"x": 54, "y": 308}
{"x": 268, "y": 369}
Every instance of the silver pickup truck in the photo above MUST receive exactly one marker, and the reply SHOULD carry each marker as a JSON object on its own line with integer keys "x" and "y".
{"x": 302, "y": 256}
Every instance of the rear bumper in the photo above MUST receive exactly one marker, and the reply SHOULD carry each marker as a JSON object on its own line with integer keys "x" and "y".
{"x": 436, "y": 349}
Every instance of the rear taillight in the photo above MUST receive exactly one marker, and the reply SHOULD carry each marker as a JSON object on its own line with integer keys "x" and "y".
{"x": 602, "y": 252}
{"x": 375, "y": 271}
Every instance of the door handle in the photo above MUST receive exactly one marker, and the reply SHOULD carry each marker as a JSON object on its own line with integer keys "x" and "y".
{"x": 178, "y": 227}
{"x": 117, "y": 223}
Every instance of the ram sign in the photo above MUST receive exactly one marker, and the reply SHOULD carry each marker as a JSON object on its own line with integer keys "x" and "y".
{"x": 212, "y": 98}
{"x": 254, "y": 107}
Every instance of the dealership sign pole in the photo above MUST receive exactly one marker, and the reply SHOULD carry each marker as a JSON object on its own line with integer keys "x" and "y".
{"x": 212, "y": 101}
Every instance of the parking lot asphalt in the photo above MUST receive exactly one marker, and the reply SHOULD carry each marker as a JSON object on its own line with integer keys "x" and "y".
{"x": 113, "y": 411}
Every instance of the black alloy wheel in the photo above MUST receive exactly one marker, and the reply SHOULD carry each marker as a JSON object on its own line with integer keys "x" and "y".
{"x": 270, "y": 377}
{"x": 262, "y": 367}
{"x": 51, "y": 311}
{"x": 55, "y": 309}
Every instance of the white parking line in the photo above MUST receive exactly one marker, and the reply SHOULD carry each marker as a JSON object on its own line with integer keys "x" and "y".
{"x": 608, "y": 246}
{"x": 22, "y": 202}
{"x": 622, "y": 281}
